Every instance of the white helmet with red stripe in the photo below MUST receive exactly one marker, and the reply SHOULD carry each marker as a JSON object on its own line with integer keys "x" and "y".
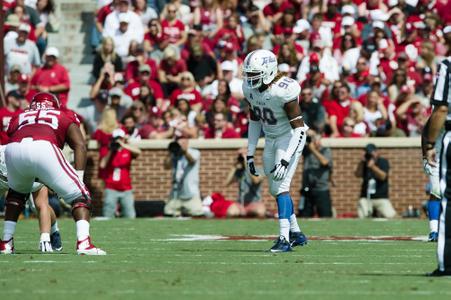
{"x": 44, "y": 101}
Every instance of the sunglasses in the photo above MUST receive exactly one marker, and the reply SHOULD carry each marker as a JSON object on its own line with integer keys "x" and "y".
{"x": 138, "y": 108}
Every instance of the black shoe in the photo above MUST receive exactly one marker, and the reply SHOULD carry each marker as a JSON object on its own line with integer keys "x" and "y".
{"x": 438, "y": 273}
{"x": 298, "y": 239}
{"x": 55, "y": 241}
{"x": 281, "y": 245}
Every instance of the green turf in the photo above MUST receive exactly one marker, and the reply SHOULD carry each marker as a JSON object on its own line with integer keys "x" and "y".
{"x": 142, "y": 264}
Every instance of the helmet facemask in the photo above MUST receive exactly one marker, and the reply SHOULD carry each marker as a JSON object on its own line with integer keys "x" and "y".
{"x": 253, "y": 79}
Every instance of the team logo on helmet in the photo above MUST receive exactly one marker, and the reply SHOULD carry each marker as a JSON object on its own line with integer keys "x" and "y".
{"x": 44, "y": 101}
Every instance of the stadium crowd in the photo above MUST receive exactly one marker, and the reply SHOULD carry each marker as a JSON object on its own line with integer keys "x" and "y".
{"x": 173, "y": 68}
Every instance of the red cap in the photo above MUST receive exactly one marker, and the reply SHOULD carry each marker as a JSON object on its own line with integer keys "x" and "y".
{"x": 314, "y": 57}
{"x": 24, "y": 78}
{"x": 156, "y": 112}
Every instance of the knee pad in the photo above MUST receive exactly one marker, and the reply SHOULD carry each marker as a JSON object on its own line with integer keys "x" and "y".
{"x": 16, "y": 199}
{"x": 82, "y": 202}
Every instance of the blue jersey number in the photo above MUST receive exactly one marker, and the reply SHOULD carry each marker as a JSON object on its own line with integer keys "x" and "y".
{"x": 284, "y": 83}
{"x": 266, "y": 115}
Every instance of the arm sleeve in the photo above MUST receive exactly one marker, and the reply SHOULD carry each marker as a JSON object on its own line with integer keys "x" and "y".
{"x": 441, "y": 94}
{"x": 297, "y": 142}
{"x": 253, "y": 133}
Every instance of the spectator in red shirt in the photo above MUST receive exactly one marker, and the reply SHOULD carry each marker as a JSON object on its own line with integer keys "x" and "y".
{"x": 145, "y": 89}
{"x": 154, "y": 40}
{"x": 187, "y": 90}
{"x": 412, "y": 116}
{"x": 173, "y": 29}
{"x": 221, "y": 129}
{"x": 169, "y": 72}
{"x": 117, "y": 166}
{"x": 338, "y": 110}
{"x": 232, "y": 33}
{"x": 140, "y": 58}
{"x": 274, "y": 10}
{"x": 210, "y": 16}
{"x": 52, "y": 77}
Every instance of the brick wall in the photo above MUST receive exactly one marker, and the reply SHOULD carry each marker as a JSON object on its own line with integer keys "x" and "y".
{"x": 152, "y": 182}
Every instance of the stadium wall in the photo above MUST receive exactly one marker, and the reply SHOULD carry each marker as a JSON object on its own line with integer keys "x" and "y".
{"x": 152, "y": 182}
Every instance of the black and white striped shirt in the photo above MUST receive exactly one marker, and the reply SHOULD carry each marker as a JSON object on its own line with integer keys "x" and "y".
{"x": 442, "y": 93}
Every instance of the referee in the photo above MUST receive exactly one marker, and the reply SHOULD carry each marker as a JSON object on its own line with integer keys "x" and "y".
{"x": 441, "y": 115}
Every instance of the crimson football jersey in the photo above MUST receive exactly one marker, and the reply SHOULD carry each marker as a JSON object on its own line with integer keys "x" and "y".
{"x": 48, "y": 125}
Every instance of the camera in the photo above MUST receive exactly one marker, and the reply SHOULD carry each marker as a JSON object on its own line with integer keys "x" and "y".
{"x": 175, "y": 149}
{"x": 240, "y": 159}
{"x": 368, "y": 156}
{"x": 114, "y": 145}
{"x": 308, "y": 139}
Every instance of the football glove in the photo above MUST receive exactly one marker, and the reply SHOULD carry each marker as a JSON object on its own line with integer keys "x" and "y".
{"x": 45, "y": 246}
{"x": 428, "y": 169}
{"x": 251, "y": 165}
{"x": 280, "y": 170}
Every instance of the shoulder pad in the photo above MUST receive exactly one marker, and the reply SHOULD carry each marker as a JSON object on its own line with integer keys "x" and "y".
{"x": 287, "y": 89}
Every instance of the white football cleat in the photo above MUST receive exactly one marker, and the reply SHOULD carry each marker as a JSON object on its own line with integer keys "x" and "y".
{"x": 7, "y": 247}
{"x": 45, "y": 247}
{"x": 85, "y": 247}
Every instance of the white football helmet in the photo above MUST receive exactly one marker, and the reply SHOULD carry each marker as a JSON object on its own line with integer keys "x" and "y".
{"x": 260, "y": 66}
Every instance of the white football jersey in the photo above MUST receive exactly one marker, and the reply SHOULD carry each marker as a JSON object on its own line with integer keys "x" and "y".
{"x": 268, "y": 105}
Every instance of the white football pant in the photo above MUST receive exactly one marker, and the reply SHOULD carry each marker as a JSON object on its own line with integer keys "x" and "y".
{"x": 275, "y": 149}
{"x": 30, "y": 160}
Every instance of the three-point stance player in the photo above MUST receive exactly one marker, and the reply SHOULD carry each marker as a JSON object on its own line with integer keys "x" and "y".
{"x": 36, "y": 137}
{"x": 273, "y": 103}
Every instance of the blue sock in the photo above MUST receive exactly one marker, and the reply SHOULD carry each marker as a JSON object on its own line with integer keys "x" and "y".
{"x": 285, "y": 208}
{"x": 433, "y": 209}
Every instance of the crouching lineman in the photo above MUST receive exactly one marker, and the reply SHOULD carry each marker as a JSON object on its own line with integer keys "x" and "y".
{"x": 36, "y": 137}
{"x": 50, "y": 237}
{"x": 273, "y": 104}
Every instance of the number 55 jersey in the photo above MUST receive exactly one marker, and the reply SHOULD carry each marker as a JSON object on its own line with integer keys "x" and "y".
{"x": 268, "y": 105}
{"x": 44, "y": 124}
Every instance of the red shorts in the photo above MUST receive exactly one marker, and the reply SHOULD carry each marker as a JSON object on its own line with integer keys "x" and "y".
{"x": 220, "y": 207}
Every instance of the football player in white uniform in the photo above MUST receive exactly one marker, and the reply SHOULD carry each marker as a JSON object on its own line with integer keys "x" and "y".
{"x": 434, "y": 203}
{"x": 274, "y": 107}
{"x": 50, "y": 237}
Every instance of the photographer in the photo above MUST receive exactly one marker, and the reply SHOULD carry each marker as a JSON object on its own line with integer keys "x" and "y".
{"x": 249, "y": 188}
{"x": 374, "y": 194}
{"x": 116, "y": 165}
{"x": 315, "y": 193}
{"x": 184, "y": 198}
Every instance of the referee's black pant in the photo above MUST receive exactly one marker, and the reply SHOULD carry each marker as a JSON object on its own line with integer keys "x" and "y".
{"x": 444, "y": 236}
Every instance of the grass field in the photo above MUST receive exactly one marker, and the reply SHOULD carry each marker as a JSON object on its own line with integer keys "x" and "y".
{"x": 156, "y": 259}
